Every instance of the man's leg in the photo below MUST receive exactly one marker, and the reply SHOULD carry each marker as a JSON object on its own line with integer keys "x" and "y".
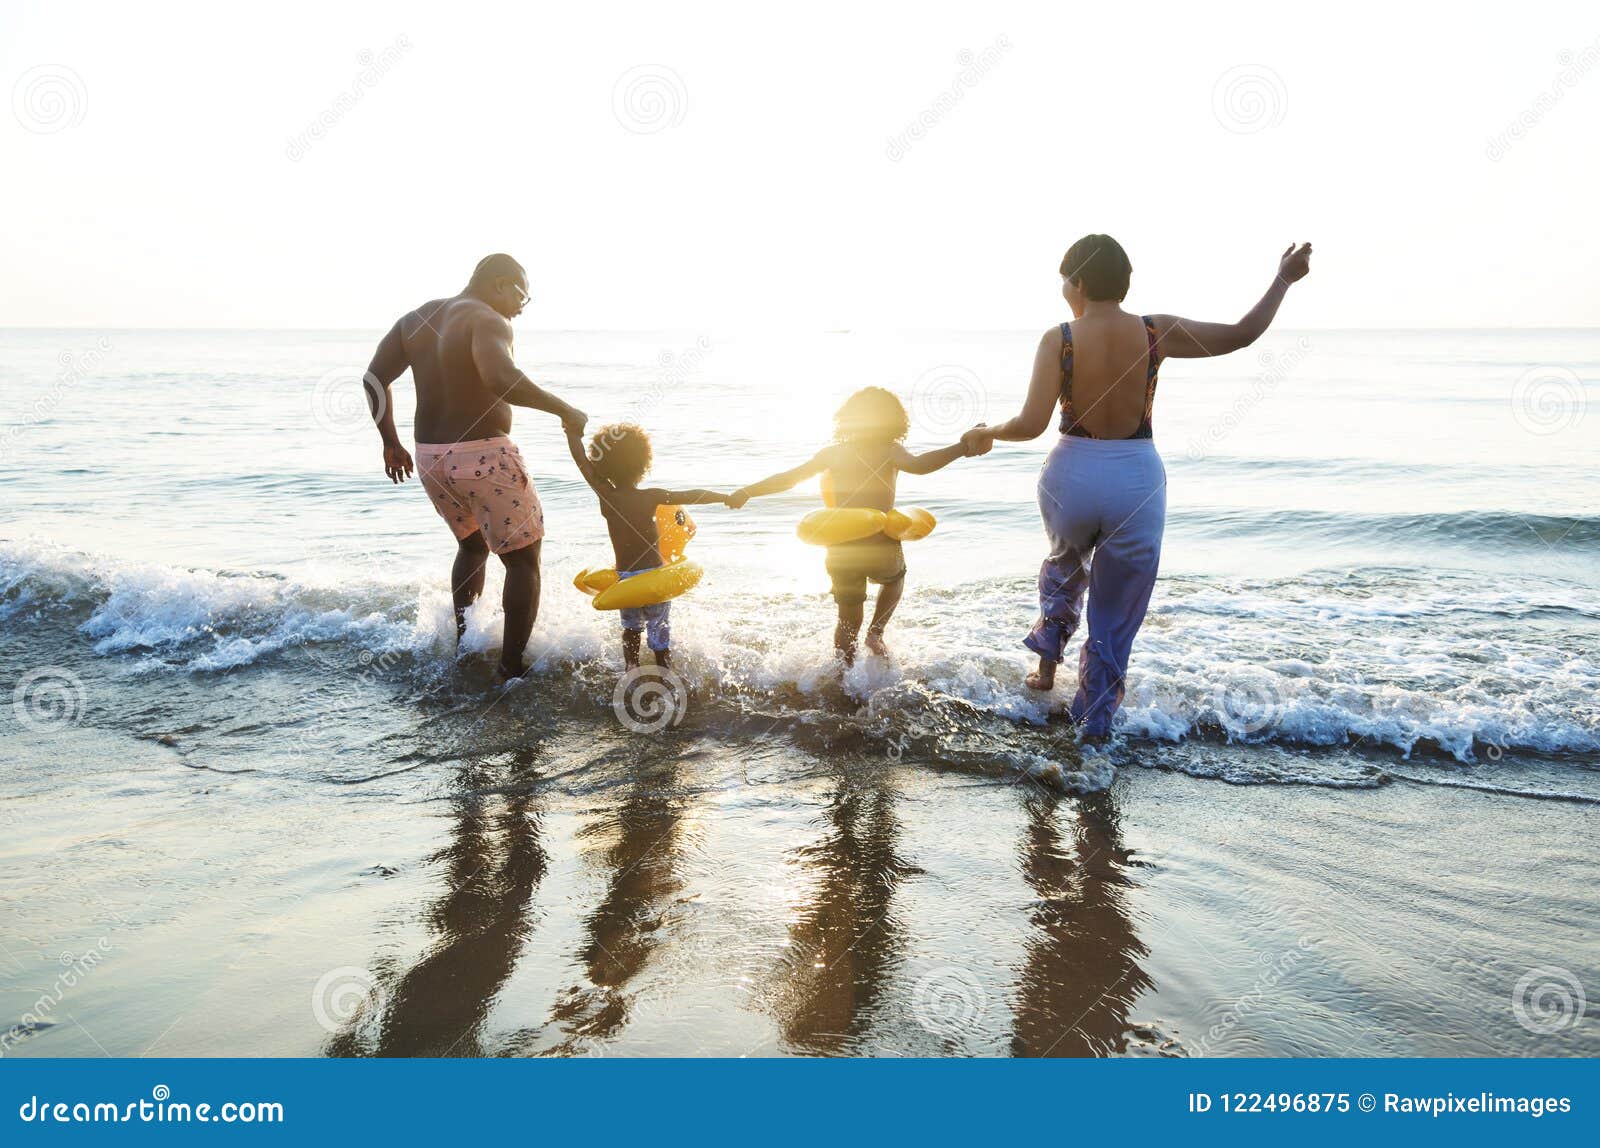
{"x": 521, "y": 605}
{"x": 466, "y": 577}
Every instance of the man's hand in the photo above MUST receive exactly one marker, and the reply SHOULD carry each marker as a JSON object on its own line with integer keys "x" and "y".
{"x": 737, "y": 499}
{"x": 978, "y": 440}
{"x": 1295, "y": 263}
{"x": 397, "y": 463}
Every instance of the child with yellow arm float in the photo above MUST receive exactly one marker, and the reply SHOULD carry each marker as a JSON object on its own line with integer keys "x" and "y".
{"x": 861, "y": 527}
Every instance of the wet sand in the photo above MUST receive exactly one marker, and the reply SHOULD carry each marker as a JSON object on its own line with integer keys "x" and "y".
{"x": 603, "y": 893}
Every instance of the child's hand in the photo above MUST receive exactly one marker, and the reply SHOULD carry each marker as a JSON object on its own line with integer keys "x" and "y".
{"x": 737, "y": 499}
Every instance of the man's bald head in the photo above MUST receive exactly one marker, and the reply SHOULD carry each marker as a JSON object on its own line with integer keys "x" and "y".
{"x": 500, "y": 281}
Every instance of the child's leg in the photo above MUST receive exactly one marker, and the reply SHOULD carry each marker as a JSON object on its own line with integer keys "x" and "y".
{"x": 844, "y": 634}
{"x": 630, "y": 649}
{"x": 882, "y": 611}
{"x": 658, "y": 619}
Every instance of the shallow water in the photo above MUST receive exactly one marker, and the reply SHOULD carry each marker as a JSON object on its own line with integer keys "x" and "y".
{"x": 240, "y": 733}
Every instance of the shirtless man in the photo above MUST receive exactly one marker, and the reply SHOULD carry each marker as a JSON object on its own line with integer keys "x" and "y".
{"x": 459, "y": 352}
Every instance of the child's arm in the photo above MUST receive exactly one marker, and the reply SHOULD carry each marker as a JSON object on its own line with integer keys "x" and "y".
{"x": 580, "y": 455}
{"x": 694, "y": 497}
{"x": 783, "y": 480}
{"x": 930, "y": 460}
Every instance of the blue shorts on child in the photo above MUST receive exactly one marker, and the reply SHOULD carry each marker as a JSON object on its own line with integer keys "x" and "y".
{"x": 657, "y": 619}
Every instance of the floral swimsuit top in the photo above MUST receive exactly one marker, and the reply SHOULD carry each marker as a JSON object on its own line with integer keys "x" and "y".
{"x": 1069, "y": 420}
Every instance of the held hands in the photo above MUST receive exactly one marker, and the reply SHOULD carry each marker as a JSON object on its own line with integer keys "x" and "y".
{"x": 978, "y": 440}
{"x": 397, "y": 463}
{"x": 737, "y": 499}
{"x": 1295, "y": 263}
{"x": 573, "y": 421}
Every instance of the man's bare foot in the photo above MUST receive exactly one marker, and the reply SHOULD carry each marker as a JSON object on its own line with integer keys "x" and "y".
{"x": 1043, "y": 679}
{"x": 875, "y": 643}
{"x": 505, "y": 673}
{"x": 664, "y": 659}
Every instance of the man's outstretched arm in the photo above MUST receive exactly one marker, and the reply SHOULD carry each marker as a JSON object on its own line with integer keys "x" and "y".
{"x": 389, "y": 362}
{"x": 491, "y": 355}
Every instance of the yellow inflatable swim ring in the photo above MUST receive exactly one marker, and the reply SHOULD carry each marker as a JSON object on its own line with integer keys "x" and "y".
{"x": 658, "y": 585}
{"x": 836, "y": 525}
{"x": 675, "y": 576}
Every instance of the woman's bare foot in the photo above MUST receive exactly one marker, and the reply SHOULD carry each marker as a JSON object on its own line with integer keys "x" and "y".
{"x": 874, "y": 642}
{"x": 1044, "y": 678}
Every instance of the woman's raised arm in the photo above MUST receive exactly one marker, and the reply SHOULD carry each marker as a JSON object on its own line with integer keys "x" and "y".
{"x": 1179, "y": 338}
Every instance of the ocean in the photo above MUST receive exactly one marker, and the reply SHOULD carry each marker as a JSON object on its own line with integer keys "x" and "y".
{"x": 244, "y": 754}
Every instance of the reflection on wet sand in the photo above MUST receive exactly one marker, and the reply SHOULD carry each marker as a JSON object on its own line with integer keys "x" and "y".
{"x": 626, "y": 927}
{"x": 847, "y": 938}
{"x": 1081, "y": 973}
{"x": 493, "y": 864}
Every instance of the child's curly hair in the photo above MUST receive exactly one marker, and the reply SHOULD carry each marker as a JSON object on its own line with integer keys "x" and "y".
{"x": 621, "y": 453}
{"x": 873, "y": 414}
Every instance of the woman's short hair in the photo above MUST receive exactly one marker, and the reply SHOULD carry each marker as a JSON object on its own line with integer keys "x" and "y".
{"x": 1099, "y": 265}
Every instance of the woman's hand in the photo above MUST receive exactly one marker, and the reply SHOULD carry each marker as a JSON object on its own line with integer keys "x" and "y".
{"x": 737, "y": 499}
{"x": 1295, "y": 263}
{"x": 978, "y": 440}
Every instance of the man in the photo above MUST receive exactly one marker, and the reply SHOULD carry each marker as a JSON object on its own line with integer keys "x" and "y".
{"x": 459, "y": 352}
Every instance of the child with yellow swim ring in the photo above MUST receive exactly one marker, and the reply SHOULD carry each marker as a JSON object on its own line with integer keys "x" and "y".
{"x": 859, "y": 469}
{"x": 617, "y": 457}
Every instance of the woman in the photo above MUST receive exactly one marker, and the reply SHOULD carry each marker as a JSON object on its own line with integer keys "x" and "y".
{"x": 1103, "y": 490}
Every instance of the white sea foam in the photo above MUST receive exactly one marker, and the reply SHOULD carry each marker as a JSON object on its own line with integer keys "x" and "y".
{"x": 1259, "y": 672}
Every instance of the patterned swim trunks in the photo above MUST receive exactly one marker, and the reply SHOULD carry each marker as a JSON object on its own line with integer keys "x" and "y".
{"x": 482, "y": 485}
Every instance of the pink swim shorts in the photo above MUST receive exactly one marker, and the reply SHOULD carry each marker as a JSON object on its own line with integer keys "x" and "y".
{"x": 482, "y": 485}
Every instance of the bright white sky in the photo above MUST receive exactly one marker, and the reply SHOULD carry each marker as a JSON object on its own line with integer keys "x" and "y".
{"x": 768, "y": 197}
